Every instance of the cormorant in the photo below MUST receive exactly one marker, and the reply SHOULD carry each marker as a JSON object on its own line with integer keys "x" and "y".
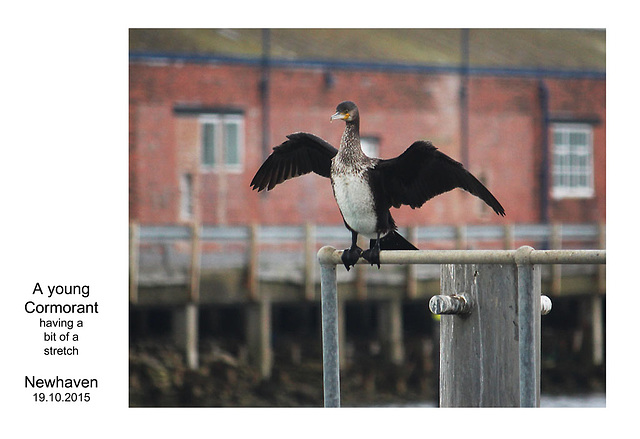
{"x": 366, "y": 188}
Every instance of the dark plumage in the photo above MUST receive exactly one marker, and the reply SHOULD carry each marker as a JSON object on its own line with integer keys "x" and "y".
{"x": 366, "y": 188}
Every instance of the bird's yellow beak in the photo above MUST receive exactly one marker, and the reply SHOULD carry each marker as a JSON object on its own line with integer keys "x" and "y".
{"x": 339, "y": 116}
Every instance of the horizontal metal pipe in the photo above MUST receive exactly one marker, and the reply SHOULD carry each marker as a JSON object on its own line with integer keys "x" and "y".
{"x": 461, "y": 304}
{"x": 332, "y": 256}
{"x": 450, "y": 304}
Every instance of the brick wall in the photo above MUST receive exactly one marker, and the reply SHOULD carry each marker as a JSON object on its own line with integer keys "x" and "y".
{"x": 504, "y": 146}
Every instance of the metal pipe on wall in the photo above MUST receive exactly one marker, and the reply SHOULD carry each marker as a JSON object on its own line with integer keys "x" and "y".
{"x": 543, "y": 93}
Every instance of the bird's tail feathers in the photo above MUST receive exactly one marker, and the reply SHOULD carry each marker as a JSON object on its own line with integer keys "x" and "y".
{"x": 394, "y": 241}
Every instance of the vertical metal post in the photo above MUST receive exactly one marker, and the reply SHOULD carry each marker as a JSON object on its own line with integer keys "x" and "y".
{"x": 330, "y": 343}
{"x": 528, "y": 328}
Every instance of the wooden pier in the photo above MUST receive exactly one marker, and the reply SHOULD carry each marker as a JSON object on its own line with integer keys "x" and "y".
{"x": 186, "y": 267}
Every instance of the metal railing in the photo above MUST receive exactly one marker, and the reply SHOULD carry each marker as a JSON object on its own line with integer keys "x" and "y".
{"x": 528, "y": 303}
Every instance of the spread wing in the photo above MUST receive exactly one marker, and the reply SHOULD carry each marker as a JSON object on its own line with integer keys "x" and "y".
{"x": 422, "y": 172}
{"x": 301, "y": 154}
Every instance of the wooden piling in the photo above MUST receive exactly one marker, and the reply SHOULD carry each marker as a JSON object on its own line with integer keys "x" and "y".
{"x": 253, "y": 284}
{"x": 194, "y": 281}
{"x": 412, "y": 269}
{"x": 185, "y": 332}
{"x": 479, "y": 351}
{"x": 597, "y": 324}
{"x": 258, "y": 330}
{"x": 342, "y": 333}
{"x": 556, "y": 269}
{"x": 602, "y": 269}
{"x": 461, "y": 237}
{"x": 509, "y": 237}
{"x": 134, "y": 246}
{"x": 361, "y": 273}
{"x": 390, "y": 330}
{"x": 597, "y": 330}
{"x": 310, "y": 261}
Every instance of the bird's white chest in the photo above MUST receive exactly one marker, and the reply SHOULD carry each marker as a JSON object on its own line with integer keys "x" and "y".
{"x": 355, "y": 200}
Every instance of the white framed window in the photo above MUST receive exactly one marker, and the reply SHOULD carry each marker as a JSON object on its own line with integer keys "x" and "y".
{"x": 222, "y": 142}
{"x": 572, "y": 168}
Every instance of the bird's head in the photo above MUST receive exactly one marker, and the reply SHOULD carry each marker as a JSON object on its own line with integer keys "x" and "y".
{"x": 347, "y": 111}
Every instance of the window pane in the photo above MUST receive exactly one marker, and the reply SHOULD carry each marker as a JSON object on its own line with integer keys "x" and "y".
{"x": 557, "y": 137}
{"x": 208, "y": 144}
{"x": 577, "y": 138}
{"x": 572, "y": 163}
{"x": 232, "y": 147}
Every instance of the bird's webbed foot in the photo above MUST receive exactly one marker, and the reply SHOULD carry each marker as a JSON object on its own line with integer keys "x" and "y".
{"x": 350, "y": 256}
{"x": 372, "y": 255}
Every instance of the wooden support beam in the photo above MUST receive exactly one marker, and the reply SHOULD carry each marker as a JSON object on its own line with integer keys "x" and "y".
{"x": 134, "y": 269}
{"x": 361, "y": 272}
{"x": 597, "y": 330}
{"x": 556, "y": 269}
{"x": 390, "y": 330}
{"x": 461, "y": 237}
{"x": 185, "y": 332}
{"x": 509, "y": 237}
{"x": 253, "y": 284}
{"x": 196, "y": 246}
{"x": 602, "y": 269}
{"x": 412, "y": 269}
{"x": 310, "y": 261}
{"x": 342, "y": 333}
{"x": 258, "y": 329}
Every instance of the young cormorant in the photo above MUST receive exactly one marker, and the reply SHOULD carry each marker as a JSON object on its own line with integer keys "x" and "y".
{"x": 366, "y": 188}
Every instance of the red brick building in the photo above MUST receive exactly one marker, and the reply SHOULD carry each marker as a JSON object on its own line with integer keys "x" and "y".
{"x": 536, "y": 137}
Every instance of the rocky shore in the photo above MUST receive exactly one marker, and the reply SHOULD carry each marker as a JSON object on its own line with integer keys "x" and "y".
{"x": 159, "y": 377}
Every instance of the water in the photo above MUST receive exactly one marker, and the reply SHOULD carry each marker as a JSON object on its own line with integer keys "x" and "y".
{"x": 555, "y": 401}
{"x": 577, "y": 401}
